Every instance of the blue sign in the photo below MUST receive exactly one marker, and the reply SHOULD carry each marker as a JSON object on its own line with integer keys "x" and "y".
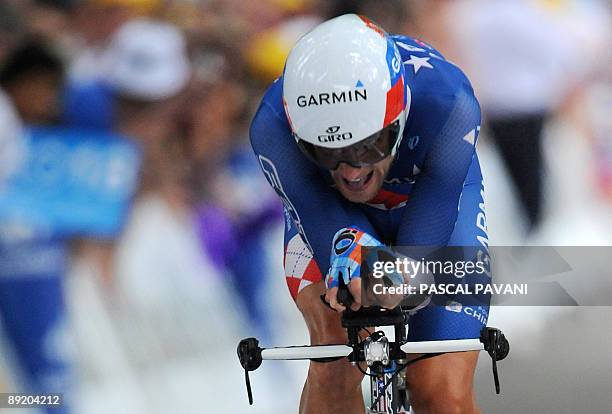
{"x": 71, "y": 182}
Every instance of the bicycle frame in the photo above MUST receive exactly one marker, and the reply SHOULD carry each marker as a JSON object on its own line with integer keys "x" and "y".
{"x": 383, "y": 358}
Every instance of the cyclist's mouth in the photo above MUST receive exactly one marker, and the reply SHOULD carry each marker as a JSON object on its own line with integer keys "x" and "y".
{"x": 358, "y": 184}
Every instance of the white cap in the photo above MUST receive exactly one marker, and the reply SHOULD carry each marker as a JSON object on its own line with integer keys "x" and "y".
{"x": 147, "y": 60}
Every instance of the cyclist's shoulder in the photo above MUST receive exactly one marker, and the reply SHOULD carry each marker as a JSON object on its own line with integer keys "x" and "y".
{"x": 437, "y": 87}
{"x": 270, "y": 121}
{"x": 272, "y": 101}
{"x": 428, "y": 71}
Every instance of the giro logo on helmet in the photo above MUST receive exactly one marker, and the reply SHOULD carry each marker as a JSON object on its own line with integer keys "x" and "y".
{"x": 333, "y": 135}
{"x": 325, "y": 98}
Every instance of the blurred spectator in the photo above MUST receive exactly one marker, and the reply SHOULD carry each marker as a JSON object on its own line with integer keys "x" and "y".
{"x": 161, "y": 274}
{"x": 88, "y": 101}
{"x": 517, "y": 43}
{"x": 147, "y": 68}
{"x": 46, "y": 203}
{"x": 32, "y": 75}
{"x": 539, "y": 75}
{"x": 234, "y": 207}
{"x": 147, "y": 61}
{"x": 32, "y": 260}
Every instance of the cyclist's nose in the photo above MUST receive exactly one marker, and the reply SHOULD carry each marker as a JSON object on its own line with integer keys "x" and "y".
{"x": 349, "y": 172}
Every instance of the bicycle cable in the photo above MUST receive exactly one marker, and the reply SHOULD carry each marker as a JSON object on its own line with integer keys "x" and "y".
{"x": 397, "y": 371}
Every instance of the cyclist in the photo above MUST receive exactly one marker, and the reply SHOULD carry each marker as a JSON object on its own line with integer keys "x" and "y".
{"x": 374, "y": 136}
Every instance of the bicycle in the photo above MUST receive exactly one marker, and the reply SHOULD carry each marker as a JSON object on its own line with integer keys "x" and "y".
{"x": 386, "y": 360}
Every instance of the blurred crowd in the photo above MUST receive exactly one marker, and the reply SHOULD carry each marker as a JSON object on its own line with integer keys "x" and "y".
{"x": 195, "y": 258}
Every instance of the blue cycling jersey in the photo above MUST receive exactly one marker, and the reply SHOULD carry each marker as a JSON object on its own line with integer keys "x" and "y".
{"x": 432, "y": 163}
{"x": 432, "y": 195}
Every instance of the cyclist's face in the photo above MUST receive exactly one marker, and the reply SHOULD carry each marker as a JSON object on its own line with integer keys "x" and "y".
{"x": 360, "y": 185}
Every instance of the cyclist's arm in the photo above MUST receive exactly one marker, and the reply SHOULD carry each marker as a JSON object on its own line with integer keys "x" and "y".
{"x": 317, "y": 209}
{"x": 430, "y": 216}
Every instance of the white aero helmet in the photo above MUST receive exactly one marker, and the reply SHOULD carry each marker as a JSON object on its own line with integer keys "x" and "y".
{"x": 345, "y": 93}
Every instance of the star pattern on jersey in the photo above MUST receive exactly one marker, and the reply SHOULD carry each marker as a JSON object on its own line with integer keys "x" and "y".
{"x": 418, "y": 63}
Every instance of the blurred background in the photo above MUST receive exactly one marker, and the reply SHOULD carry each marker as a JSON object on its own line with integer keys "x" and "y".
{"x": 139, "y": 241}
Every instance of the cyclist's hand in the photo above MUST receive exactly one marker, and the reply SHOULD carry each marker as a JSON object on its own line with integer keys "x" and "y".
{"x": 346, "y": 265}
{"x": 331, "y": 296}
